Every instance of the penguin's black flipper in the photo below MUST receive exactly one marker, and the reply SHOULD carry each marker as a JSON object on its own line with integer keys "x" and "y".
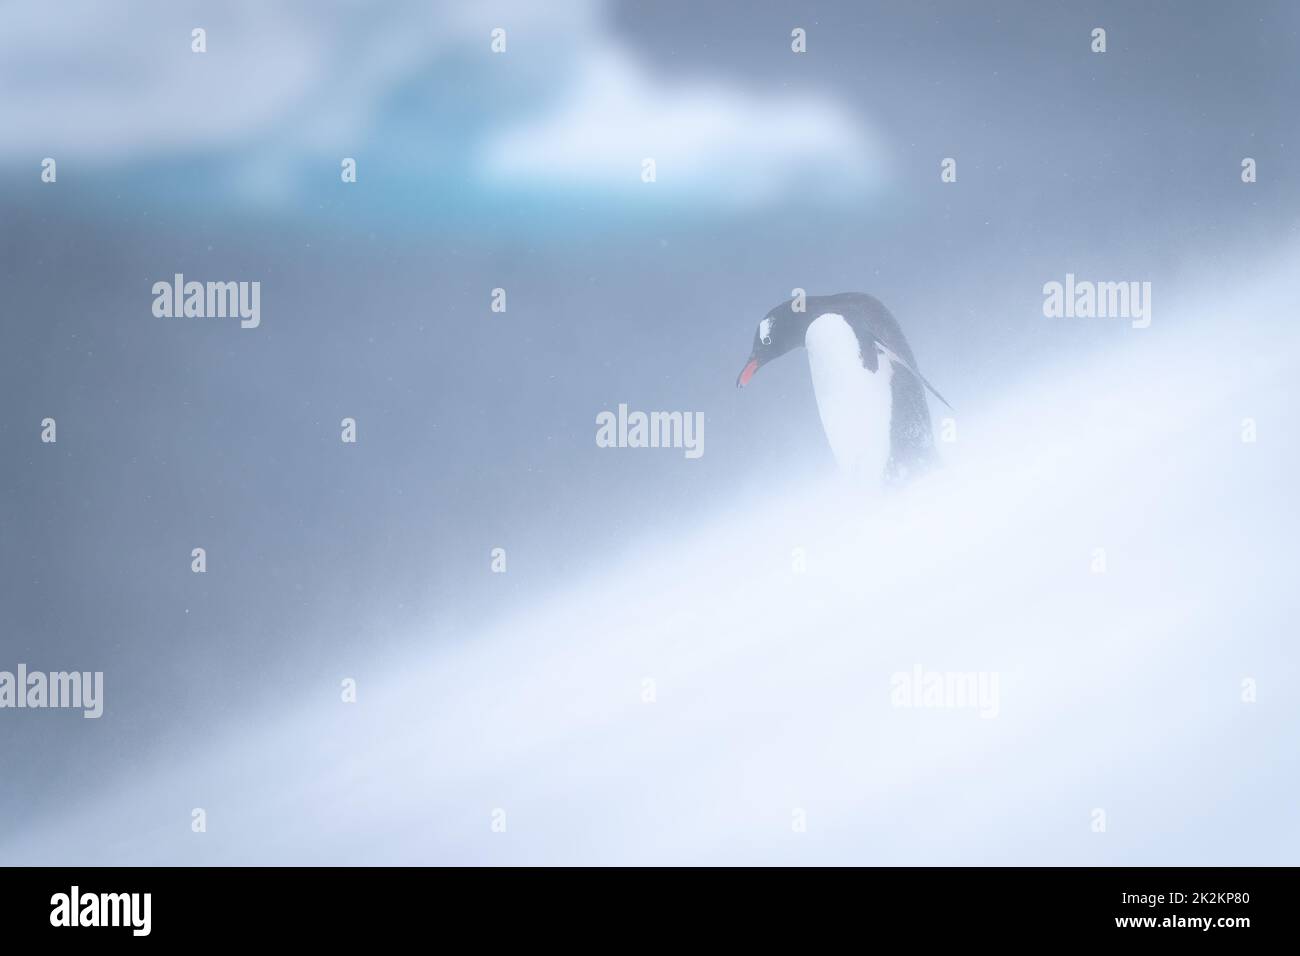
{"x": 919, "y": 377}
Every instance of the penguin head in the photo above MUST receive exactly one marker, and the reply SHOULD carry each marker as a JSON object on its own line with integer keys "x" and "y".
{"x": 781, "y": 330}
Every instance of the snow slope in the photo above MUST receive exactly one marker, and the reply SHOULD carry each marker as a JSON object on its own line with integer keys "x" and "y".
{"x": 1119, "y": 691}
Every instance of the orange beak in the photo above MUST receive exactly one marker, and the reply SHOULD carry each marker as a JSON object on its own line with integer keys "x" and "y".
{"x": 747, "y": 373}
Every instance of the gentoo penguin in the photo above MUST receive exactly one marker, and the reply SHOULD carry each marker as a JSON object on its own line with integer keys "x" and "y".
{"x": 870, "y": 394}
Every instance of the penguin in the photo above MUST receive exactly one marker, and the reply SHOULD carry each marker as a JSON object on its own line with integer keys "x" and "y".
{"x": 870, "y": 393}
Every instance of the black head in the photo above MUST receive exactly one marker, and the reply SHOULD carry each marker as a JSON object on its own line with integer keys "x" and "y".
{"x": 781, "y": 330}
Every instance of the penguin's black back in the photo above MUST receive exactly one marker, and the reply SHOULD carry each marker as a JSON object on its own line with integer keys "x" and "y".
{"x": 911, "y": 436}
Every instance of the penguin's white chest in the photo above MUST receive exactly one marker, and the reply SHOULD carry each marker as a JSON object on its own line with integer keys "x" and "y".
{"x": 854, "y": 403}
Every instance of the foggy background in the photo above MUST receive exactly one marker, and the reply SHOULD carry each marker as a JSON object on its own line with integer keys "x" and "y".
{"x": 476, "y": 430}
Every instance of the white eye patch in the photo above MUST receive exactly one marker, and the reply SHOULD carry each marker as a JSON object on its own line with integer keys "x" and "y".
{"x": 765, "y": 331}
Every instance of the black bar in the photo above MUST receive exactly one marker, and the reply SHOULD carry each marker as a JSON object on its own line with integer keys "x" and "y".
{"x": 336, "y": 905}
